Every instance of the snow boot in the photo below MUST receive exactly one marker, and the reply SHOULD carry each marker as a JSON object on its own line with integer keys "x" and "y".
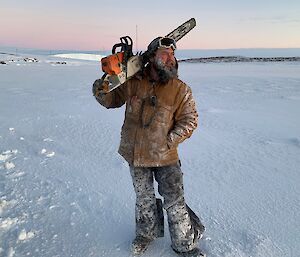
{"x": 140, "y": 245}
{"x": 196, "y": 252}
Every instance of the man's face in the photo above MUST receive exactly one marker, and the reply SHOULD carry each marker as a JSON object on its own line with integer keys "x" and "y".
{"x": 164, "y": 63}
{"x": 165, "y": 56}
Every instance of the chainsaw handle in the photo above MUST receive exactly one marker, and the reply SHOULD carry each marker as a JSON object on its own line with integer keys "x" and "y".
{"x": 122, "y": 45}
{"x": 127, "y": 40}
{"x": 126, "y": 45}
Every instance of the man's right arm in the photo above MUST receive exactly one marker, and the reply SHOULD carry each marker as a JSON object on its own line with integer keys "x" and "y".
{"x": 113, "y": 99}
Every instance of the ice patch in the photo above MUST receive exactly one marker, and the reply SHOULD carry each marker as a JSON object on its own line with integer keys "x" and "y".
{"x": 53, "y": 207}
{"x": 26, "y": 235}
{"x": 48, "y": 140}
{"x": 15, "y": 151}
{"x": 4, "y": 204}
{"x": 43, "y": 151}
{"x": 80, "y": 56}
{"x": 4, "y": 157}
{"x": 8, "y": 223}
{"x": 22, "y": 138}
{"x": 11, "y": 252}
{"x": 9, "y": 165}
{"x": 50, "y": 154}
{"x": 47, "y": 153}
{"x": 16, "y": 175}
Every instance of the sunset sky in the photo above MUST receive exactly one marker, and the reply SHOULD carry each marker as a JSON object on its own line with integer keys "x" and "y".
{"x": 98, "y": 24}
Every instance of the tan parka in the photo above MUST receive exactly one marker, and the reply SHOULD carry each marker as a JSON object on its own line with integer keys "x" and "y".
{"x": 157, "y": 118}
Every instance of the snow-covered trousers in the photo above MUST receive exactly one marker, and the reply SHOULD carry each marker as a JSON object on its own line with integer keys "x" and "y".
{"x": 170, "y": 187}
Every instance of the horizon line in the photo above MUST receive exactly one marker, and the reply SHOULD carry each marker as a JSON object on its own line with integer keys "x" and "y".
{"x": 189, "y": 49}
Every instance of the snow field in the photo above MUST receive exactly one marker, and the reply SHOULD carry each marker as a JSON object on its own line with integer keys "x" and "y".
{"x": 64, "y": 191}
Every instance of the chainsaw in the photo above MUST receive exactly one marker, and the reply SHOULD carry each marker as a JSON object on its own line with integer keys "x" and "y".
{"x": 122, "y": 64}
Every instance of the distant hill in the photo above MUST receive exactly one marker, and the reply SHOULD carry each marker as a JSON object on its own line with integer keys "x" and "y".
{"x": 220, "y": 59}
{"x": 180, "y": 53}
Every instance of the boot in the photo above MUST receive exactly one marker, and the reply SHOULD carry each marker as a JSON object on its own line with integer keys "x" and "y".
{"x": 196, "y": 252}
{"x": 140, "y": 245}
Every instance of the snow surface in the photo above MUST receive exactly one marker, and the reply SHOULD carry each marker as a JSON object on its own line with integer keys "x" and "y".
{"x": 64, "y": 190}
{"x": 80, "y": 56}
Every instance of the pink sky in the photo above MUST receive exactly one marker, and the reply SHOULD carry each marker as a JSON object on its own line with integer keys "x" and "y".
{"x": 97, "y": 25}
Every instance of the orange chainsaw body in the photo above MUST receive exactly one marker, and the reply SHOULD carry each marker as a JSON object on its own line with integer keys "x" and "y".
{"x": 112, "y": 63}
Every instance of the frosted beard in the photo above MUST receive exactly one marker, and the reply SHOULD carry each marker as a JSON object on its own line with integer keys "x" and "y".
{"x": 165, "y": 72}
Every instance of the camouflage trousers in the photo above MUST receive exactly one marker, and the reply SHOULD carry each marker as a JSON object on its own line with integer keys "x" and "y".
{"x": 170, "y": 187}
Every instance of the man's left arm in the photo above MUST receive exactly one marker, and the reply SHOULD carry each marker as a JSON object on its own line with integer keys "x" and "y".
{"x": 186, "y": 119}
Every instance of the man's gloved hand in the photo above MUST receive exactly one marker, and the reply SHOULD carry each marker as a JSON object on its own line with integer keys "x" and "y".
{"x": 100, "y": 87}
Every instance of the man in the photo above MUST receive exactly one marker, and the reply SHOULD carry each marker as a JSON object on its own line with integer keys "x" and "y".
{"x": 160, "y": 114}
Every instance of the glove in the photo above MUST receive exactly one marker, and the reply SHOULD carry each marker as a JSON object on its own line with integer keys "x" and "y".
{"x": 100, "y": 87}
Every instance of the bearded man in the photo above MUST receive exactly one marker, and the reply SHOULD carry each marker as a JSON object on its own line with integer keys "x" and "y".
{"x": 160, "y": 114}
